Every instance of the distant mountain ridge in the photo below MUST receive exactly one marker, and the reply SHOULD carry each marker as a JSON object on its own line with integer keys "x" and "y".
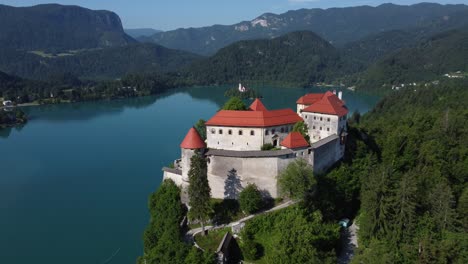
{"x": 54, "y": 27}
{"x": 336, "y": 25}
{"x": 141, "y": 32}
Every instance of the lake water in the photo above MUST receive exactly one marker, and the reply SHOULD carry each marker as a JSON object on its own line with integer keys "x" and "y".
{"x": 74, "y": 181}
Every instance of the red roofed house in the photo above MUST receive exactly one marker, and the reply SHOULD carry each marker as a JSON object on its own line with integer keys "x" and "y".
{"x": 251, "y": 129}
{"x": 325, "y": 116}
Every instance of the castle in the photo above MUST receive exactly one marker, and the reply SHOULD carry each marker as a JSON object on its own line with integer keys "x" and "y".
{"x": 235, "y": 138}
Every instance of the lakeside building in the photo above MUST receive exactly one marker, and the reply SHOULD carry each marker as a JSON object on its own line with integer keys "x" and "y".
{"x": 235, "y": 138}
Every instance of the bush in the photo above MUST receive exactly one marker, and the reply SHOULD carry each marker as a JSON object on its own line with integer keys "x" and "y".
{"x": 250, "y": 199}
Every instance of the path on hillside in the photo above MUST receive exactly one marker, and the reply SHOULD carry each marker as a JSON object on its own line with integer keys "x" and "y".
{"x": 192, "y": 232}
{"x": 349, "y": 244}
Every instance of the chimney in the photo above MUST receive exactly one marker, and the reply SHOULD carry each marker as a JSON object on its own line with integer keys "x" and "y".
{"x": 340, "y": 95}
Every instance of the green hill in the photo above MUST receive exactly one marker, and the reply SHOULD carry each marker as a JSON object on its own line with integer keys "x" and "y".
{"x": 299, "y": 57}
{"x": 53, "y": 27}
{"x": 427, "y": 61}
{"x": 107, "y": 63}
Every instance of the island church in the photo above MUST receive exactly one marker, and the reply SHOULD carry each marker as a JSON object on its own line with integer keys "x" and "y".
{"x": 235, "y": 138}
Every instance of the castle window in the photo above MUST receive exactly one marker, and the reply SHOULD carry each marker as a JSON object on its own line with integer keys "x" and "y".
{"x": 240, "y": 132}
{"x": 213, "y": 131}
{"x": 306, "y": 116}
{"x": 287, "y": 129}
{"x": 328, "y": 119}
{"x": 282, "y": 130}
{"x": 252, "y": 132}
{"x": 328, "y": 129}
{"x": 230, "y": 132}
{"x": 313, "y": 127}
{"x": 267, "y": 132}
{"x": 273, "y": 131}
{"x": 320, "y": 128}
{"x": 220, "y": 131}
{"x": 321, "y": 118}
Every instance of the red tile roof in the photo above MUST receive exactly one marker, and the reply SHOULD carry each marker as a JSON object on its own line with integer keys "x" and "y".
{"x": 309, "y": 99}
{"x": 254, "y": 118}
{"x": 294, "y": 140}
{"x": 192, "y": 140}
{"x": 257, "y": 105}
{"x": 329, "y": 104}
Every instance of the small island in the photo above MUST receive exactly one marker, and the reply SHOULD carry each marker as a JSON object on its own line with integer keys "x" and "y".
{"x": 242, "y": 92}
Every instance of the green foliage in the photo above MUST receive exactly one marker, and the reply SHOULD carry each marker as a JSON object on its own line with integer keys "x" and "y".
{"x": 201, "y": 128}
{"x": 199, "y": 191}
{"x": 234, "y": 103}
{"x": 413, "y": 175}
{"x": 196, "y": 256}
{"x": 291, "y": 235}
{"x": 267, "y": 146}
{"x": 12, "y": 117}
{"x": 302, "y": 128}
{"x": 163, "y": 237}
{"x": 296, "y": 180}
{"x": 250, "y": 199}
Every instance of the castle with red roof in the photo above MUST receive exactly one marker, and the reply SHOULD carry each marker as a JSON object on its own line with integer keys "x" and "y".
{"x": 234, "y": 141}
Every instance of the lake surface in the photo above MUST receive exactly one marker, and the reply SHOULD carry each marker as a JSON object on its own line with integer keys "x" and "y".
{"x": 74, "y": 182}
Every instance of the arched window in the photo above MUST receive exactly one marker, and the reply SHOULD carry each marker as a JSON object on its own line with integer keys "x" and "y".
{"x": 252, "y": 133}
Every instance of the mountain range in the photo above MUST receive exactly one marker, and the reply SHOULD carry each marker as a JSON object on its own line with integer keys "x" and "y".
{"x": 368, "y": 46}
{"x": 141, "y": 32}
{"x": 336, "y": 25}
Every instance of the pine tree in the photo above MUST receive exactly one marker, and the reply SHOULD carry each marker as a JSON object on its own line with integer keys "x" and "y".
{"x": 199, "y": 191}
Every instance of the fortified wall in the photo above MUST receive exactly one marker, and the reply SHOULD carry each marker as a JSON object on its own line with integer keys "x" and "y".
{"x": 233, "y": 163}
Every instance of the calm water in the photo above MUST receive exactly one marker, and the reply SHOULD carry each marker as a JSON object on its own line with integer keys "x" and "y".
{"x": 74, "y": 181}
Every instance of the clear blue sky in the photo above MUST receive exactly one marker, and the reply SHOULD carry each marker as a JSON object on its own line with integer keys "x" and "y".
{"x": 172, "y": 14}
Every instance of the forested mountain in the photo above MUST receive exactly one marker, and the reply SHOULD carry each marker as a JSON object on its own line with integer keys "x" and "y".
{"x": 336, "y": 25}
{"x": 299, "y": 57}
{"x": 53, "y": 27}
{"x": 141, "y": 32}
{"x": 106, "y": 63}
{"x": 373, "y": 47}
{"x": 428, "y": 61}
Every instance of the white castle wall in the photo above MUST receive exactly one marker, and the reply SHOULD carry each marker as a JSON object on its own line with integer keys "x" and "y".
{"x": 323, "y": 125}
{"x": 230, "y": 138}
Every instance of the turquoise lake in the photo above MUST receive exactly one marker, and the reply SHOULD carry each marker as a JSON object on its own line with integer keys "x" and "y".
{"x": 74, "y": 181}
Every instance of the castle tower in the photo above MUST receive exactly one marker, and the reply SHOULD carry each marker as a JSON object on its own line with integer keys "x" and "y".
{"x": 191, "y": 143}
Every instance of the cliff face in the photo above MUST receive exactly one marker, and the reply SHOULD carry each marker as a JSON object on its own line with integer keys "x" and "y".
{"x": 55, "y": 27}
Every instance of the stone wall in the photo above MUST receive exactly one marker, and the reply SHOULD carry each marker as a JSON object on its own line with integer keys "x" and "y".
{"x": 325, "y": 153}
{"x": 229, "y": 175}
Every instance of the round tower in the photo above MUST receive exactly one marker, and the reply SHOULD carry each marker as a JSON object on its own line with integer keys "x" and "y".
{"x": 192, "y": 142}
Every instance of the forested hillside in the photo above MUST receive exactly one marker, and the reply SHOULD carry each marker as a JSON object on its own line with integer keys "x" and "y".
{"x": 410, "y": 156}
{"x": 53, "y": 27}
{"x": 336, "y": 25}
{"x": 299, "y": 57}
{"x": 108, "y": 63}
{"x": 427, "y": 61}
